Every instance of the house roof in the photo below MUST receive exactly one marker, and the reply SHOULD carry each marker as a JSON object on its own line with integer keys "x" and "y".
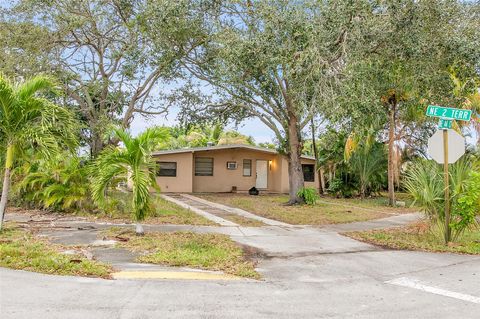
{"x": 222, "y": 147}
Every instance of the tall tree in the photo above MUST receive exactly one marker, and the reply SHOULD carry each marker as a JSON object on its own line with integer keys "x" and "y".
{"x": 29, "y": 119}
{"x": 24, "y": 47}
{"x": 403, "y": 64}
{"x": 270, "y": 60}
{"x": 108, "y": 60}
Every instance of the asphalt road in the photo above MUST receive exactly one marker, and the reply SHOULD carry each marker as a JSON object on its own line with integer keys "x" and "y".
{"x": 310, "y": 273}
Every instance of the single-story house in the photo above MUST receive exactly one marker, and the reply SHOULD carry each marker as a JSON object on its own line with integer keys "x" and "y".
{"x": 227, "y": 168}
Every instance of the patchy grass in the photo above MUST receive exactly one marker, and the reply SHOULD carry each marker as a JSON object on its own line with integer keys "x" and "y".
{"x": 328, "y": 210}
{"x": 241, "y": 220}
{"x": 164, "y": 212}
{"x": 420, "y": 236}
{"x": 376, "y": 203}
{"x": 20, "y": 249}
{"x": 204, "y": 251}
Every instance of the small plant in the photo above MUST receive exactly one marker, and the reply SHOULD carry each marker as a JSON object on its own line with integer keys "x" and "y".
{"x": 309, "y": 195}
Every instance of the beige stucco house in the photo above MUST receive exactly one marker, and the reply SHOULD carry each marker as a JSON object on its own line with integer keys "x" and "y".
{"x": 227, "y": 168}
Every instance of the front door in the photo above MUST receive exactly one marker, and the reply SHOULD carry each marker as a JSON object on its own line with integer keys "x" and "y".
{"x": 262, "y": 174}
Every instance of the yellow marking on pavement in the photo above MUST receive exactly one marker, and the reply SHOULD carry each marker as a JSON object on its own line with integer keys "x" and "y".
{"x": 187, "y": 275}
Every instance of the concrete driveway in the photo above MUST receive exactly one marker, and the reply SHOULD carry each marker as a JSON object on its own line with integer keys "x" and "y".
{"x": 308, "y": 273}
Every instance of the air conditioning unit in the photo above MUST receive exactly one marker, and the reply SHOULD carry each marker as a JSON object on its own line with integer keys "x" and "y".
{"x": 231, "y": 165}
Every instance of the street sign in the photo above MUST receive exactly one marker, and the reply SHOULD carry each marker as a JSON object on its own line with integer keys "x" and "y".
{"x": 444, "y": 124}
{"x": 449, "y": 113}
{"x": 456, "y": 146}
{"x": 447, "y": 146}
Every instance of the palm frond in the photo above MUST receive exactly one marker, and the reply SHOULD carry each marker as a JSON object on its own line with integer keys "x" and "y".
{"x": 151, "y": 136}
{"x": 30, "y": 87}
{"x": 350, "y": 146}
{"x": 124, "y": 136}
{"x": 424, "y": 181}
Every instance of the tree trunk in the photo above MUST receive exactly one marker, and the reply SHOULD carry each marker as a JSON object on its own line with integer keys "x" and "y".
{"x": 315, "y": 154}
{"x": 96, "y": 144}
{"x": 330, "y": 173}
{"x": 6, "y": 183}
{"x": 391, "y": 141}
{"x": 295, "y": 171}
{"x": 362, "y": 190}
{"x": 322, "y": 180}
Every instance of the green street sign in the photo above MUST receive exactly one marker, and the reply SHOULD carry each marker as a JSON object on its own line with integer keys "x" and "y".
{"x": 444, "y": 124}
{"x": 449, "y": 113}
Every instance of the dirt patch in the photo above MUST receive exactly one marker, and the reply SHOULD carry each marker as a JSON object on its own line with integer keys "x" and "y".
{"x": 253, "y": 254}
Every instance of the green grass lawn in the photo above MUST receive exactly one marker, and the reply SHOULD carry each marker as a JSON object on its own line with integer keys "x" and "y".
{"x": 328, "y": 210}
{"x": 420, "y": 236}
{"x": 20, "y": 249}
{"x": 164, "y": 212}
{"x": 204, "y": 251}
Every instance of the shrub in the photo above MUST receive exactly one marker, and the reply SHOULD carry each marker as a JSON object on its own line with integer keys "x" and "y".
{"x": 369, "y": 166}
{"x": 59, "y": 183}
{"x": 425, "y": 182}
{"x": 467, "y": 206}
{"x": 309, "y": 195}
{"x": 339, "y": 187}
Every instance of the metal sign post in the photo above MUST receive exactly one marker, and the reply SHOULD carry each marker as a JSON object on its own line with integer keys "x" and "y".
{"x": 453, "y": 148}
{"x": 447, "y": 186}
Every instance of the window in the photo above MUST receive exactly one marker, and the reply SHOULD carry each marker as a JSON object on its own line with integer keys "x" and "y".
{"x": 247, "y": 167}
{"x": 167, "y": 169}
{"x": 203, "y": 166}
{"x": 308, "y": 172}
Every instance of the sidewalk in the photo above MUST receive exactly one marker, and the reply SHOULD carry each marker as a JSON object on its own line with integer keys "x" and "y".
{"x": 272, "y": 241}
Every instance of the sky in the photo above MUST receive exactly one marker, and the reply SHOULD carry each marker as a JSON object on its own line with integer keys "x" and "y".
{"x": 251, "y": 127}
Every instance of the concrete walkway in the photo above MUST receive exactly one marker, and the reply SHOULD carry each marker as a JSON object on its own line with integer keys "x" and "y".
{"x": 393, "y": 221}
{"x": 216, "y": 212}
{"x": 234, "y": 210}
{"x": 206, "y": 211}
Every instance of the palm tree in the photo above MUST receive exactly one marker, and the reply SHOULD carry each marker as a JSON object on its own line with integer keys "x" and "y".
{"x": 366, "y": 158}
{"x": 131, "y": 163}
{"x": 28, "y": 119}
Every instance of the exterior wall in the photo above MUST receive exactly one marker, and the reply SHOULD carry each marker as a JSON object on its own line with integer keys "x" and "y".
{"x": 284, "y": 187}
{"x": 316, "y": 183}
{"x": 183, "y": 182}
{"x": 284, "y": 184}
{"x": 223, "y": 179}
